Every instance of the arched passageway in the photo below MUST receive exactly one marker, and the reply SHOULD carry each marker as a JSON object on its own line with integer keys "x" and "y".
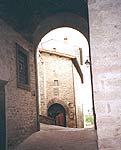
{"x": 65, "y": 19}
{"x": 58, "y": 74}
{"x": 70, "y": 19}
{"x": 34, "y": 25}
{"x": 57, "y": 112}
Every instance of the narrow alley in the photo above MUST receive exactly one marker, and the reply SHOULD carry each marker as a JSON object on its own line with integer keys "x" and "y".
{"x": 52, "y": 137}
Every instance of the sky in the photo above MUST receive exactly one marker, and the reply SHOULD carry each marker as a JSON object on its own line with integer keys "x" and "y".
{"x": 75, "y": 39}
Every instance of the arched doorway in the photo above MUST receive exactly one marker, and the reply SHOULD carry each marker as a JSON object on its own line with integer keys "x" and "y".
{"x": 59, "y": 20}
{"x": 57, "y": 112}
{"x": 68, "y": 41}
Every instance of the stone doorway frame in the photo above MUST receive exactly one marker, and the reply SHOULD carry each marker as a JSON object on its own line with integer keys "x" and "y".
{"x": 3, "y": 142}
{"x": 59, "y": 109}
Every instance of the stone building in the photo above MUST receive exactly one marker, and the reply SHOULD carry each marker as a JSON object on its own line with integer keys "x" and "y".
{"x": 17, "y": 95}
{"x": 22, "y": 25}
{"x": 56, "y": 74}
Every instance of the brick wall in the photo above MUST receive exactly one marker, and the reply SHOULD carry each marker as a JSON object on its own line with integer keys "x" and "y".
{"x": 20, "y": 104}
{"x": 105, "y": 31}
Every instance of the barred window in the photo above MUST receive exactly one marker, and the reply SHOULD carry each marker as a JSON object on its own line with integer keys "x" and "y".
{"x": 22, "y": 67}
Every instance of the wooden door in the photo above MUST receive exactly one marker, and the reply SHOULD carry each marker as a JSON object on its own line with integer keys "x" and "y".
{"x": 2, "y": 119}
{"x": 57, "y": 112}
{"x": 60, "y": 119}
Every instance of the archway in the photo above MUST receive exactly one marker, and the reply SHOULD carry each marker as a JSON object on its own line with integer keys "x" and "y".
{"x": 75, "y": 45}
{"x": 65, "y": 19}
{"x": 57, "y": 112}
{"x": 59, "y": 20}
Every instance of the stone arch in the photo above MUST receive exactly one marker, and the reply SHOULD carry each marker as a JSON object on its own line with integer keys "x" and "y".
{"x": 58, "y": 101}
{"x": 57, "y": 112}
{"x": 61, "y": 20}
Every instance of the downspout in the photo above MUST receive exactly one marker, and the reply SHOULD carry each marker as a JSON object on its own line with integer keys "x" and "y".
{"x": 44, "y": 68}
{"x": 95, "y": 124}
{"x": 36, "y": 89}
{"x": 74, "y": 96}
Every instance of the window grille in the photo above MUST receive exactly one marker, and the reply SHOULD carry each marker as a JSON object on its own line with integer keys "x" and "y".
{"x": 22, "y": 68}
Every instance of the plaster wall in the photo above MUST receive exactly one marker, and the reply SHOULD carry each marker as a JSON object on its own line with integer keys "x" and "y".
{"x": 105, "y": 34}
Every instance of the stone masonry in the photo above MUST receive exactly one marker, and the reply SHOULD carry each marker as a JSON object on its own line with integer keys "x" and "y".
{"x": 21, "y": 111}
{"x": 61, "y": 69}
{"x": 105, "y": 43}
{"x": 105, "y": 31}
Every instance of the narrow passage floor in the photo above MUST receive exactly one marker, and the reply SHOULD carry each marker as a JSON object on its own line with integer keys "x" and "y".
{"x": 52, "y": 137}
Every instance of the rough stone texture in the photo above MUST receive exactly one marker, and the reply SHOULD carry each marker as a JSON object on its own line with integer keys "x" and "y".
{"x": 46, "y": 120}
{"x": 105, "y": 31}
{"x": 57, "y": 68}
{"x": 21, "y": 113}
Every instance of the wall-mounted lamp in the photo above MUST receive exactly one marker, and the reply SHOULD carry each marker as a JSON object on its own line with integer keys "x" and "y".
{"x": 54, "y": 48}
{"x": 87, "y": 62}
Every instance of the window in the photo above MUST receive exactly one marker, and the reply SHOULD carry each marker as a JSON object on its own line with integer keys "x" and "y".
{"x": 56, "y": 83}
{"x": 22, "y": 67}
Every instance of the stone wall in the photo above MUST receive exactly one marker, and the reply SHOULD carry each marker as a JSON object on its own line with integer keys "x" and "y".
{"x": 57, "y": 68}
{"x": 21, "y": 111}
{"x": 105, "y": 32}
{"x": 46, "y": 120}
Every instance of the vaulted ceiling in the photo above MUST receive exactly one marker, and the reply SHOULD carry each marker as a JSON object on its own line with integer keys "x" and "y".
{"x": 25, "y": 15}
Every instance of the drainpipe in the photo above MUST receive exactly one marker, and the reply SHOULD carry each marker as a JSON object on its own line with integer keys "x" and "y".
{"x": 36, "y": 89}
{"x": 44, "y": 68}
{"x": 95, "y": 124}
{"x": 74, "y": 96}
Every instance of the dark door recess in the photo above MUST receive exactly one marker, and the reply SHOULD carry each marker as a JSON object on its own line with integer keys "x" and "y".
{"x": 57, "y": 112}
{"x": 2, "y": 118}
